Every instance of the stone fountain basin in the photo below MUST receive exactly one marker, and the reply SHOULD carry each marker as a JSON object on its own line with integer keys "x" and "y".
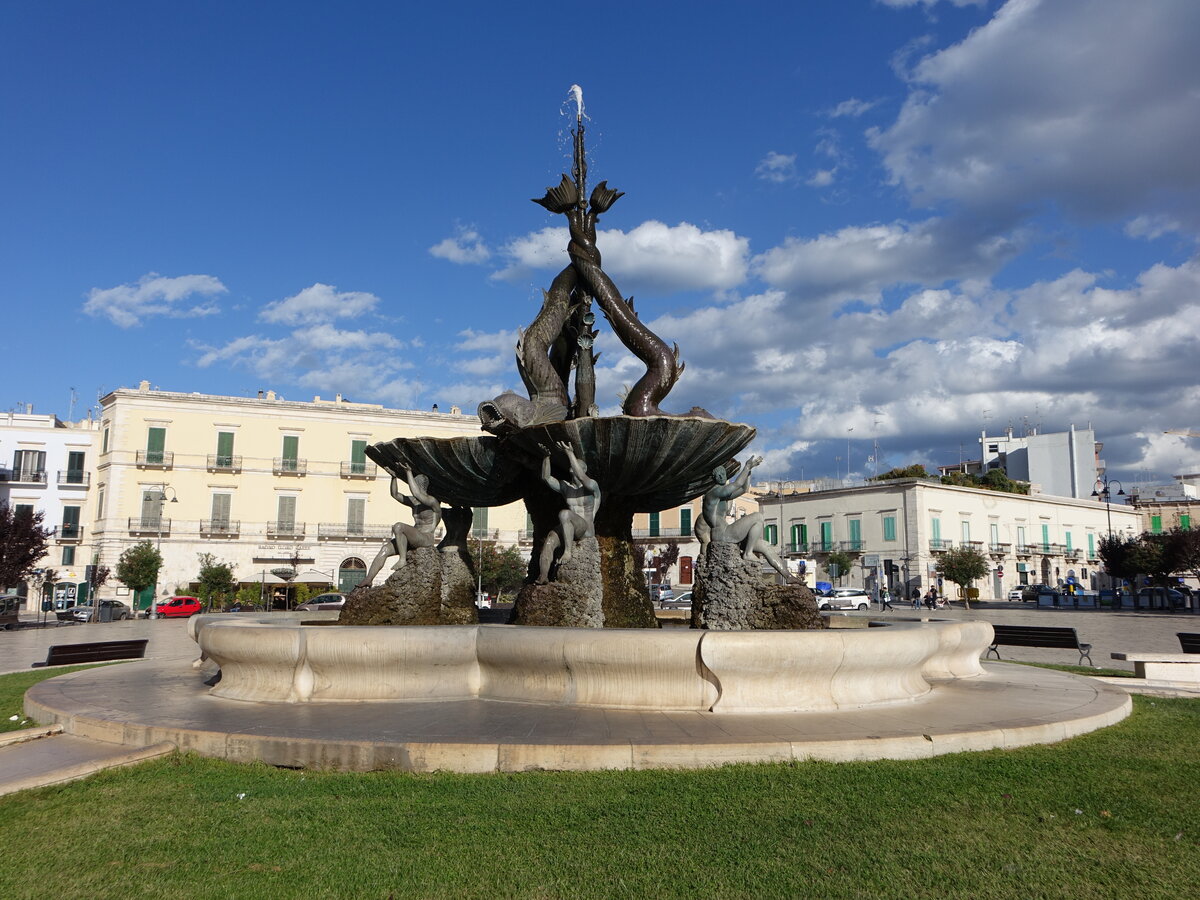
{"x": 278, "y": 658}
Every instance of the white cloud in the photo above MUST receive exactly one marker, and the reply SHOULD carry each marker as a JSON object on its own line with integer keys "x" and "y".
{"x": 653, "y": 257}
{"x": 902, "y": 4}
{"x": 318, "y": 303}
{"x": 1088, "y": 104}
{"x": 1152, "y": 227}
{"x": 466, "y": 246}
{"x": 852, "y": 108}
{"x": 821, "y": 178}
{"x": 779, "y": 168}
{"x": 127, "y": 305}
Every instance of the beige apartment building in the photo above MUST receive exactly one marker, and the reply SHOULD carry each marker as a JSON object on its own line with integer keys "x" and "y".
{"x": 262, "y": 483}
{"x": 896, "y": 530}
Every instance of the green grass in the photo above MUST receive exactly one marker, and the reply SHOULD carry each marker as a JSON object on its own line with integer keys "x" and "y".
{"x": 12, "y": 693}
{"x": 1109, "y": 814}
{"x": 1079, "y": 670}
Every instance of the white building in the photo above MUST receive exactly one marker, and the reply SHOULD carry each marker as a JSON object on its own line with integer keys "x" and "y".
{"x": 907, "y": 523}
{"x": 1063, "y": 464}
{"x": 48, "y": 465}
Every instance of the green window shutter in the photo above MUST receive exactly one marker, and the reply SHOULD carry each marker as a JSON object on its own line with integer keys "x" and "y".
{"x": 68, "y": 557}
{"x": 889, "y": 528}
{"x": 685, "y": 521}
{"x": 221, "y": 504}
{"x": 799, "y": 535}
{"x": 1185, "y": 521}
{"x": 1091, "y": 545}
{"x": 1067, "y": 538}
{"x": 654, "y": 527}
{"x": 291, "y": 447}
{"x": 287, "y": 513}
{"x": 152, "y": 506}
{"x": 479, "y": 525}
{"x": 935, "y": 529}
{"x": 358, "y": 457}
{"x": 1156, "y": 524}
{"x": 1045, "y": 537}
{"x": 804, "y": 534}
{"x": 225, "y": 448}
{"x": 826, "y": 535}
{"x": 771, "y": 534}
{"x": 75, "y": 467}
{"x": 1021, "y": 535}
{"x": 356, "y": 514}
{"x": 855, "y": 534}
{"x": 70, "y": 521}
{"x": 156, "y": 443}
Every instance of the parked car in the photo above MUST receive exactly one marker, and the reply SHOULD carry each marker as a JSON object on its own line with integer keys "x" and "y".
{"x": 179, "y": 607}
{"x": 1029, "y": 593}
{"x": 1156, "y": 595}
{"x": 333, "y": 600}
{"x": 683, "y": 601}
{"x": 116, "y": 611}
{"x": 1016, "y": 594}
{"x": 844, "y": 598}
{"x": 10, "y": 611}
{"x": 661, "y": 592}
{"x": 244, "y": 607}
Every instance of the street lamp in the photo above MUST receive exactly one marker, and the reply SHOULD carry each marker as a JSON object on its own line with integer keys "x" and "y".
{"x": 782, "y": 485}
{"x": 162, "y": 499}
{"x": 1103, "y": 490}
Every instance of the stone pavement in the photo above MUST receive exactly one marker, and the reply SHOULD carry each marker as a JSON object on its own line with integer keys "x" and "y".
{"x": 34, "y": 758}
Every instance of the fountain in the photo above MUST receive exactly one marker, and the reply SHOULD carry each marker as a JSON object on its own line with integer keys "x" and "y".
{"x": 406, "y": 677}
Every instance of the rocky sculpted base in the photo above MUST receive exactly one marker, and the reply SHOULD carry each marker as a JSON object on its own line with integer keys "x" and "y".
{"x": 281, "y": 660}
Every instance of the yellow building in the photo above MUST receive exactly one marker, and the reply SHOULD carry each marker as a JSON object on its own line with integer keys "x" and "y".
{"x": 261, "y": 483}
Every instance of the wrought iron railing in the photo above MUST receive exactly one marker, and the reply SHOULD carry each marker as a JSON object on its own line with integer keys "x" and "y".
{"x": 142, "y": 525}
{"x": 284, "y": 465}
{"x": 359, "y": 470}
{"x": 155, "y": 459}
{"x": 25, "y": 476}
{"x": 352, "y": 531}
{"x": 940, "y": 544}
{"x": 224, "y": 462}
{"x": 220, "y": 526}
{"x": 69, "y": 531}
{"x": 74, "y": 478}
{"x": 285, "y": 529}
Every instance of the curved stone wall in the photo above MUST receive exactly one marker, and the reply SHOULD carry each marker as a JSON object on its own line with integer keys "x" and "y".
{"x": 275, "y": 658}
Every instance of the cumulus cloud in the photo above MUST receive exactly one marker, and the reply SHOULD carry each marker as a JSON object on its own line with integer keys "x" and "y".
{"x": 1086, "y": 104}
{"x": 127, "y": 305}
{"x": 653, "y": 257}
{"x": 852, "y": 108}
{"x": 466, "y": 246}
{"x": 318, "y": 303}
{"x": 779, "y": 168}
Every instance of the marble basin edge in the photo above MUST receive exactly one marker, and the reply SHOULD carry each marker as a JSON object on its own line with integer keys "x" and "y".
{"x": 276, "y": 658}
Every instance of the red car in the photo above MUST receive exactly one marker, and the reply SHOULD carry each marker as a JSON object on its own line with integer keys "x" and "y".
{"x": 178, "y": 606}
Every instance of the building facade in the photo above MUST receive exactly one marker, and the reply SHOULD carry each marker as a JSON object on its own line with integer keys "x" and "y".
{"x": 47, "y": 465}
{"x": 262, "y": 483}
{"x": 896, "y": 530}
{"x": 1063, "y": 464}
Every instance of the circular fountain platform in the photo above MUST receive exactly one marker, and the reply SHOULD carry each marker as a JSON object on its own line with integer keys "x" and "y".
{"x": 148, "y": 702}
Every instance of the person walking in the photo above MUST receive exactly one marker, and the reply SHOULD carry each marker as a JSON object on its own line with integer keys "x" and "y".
{"x": 885, "y": 602}
{"x": 916, "y": 598}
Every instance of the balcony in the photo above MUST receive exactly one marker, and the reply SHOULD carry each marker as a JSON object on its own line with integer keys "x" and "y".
{"x": 359, "y": 470}
{"x": 74, "y": 478}
{"x": 285, "y": 529}
{"x": 149, "y": 526}
{"x": 24, "y": 476}
{"x": 69, "y": 533}
{"x": 853, "y": 546}
{"x": 1026, "y": 549}
{"x": 940, "y": 545}
{"x": 283, "y": 465}
{"x": 525, "y": 536}
{"x": 220, "y": 528}
{"x": 801, "y": 548}
{"x": 977, "y": 546}
{"x": 823, "y": 547}
{"x": 155, "y": 459}
{"x": 220, "y": 462}
{"x": 1073, "y": 552}
{"x": 999, "y": 549}
{"x": 343, "y": 531}
{"x": 654, "y": 533}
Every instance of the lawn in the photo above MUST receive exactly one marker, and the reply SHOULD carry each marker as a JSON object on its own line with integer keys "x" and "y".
{"x": 1109, "y": 814}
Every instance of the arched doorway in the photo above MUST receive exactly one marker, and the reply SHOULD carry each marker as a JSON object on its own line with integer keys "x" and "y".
{"x": 350, "y": 574}
{"x": 1046, "y": 571}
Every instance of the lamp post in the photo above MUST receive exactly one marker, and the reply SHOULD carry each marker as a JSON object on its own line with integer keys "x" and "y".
{"x": 1103, "y": 490}
{"x": 782, "y": 485}
{"x": 162, "y": 499}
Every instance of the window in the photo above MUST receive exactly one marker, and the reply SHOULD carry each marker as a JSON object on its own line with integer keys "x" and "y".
{"x": 22, "y": 509}
{"x": 221, "y": 504}
{"x": 800, "y": 538}
{"x": 290, "y": 460}
{"x": 225, "y": 449}
{"x": 100, "y": 502}
{"x": 856, "y": 542}
{"x": 826, "y": 536}
{"x": 104, "y": 441}
{"x": 1156, "y": 524}
{"x": 889, "y": 528}
{"x": 68, "y": 555}
{"x": 358, "y": 457}
{"x": 286, "y": 514}
{"x": 995, "y": 534}
{"x": 479, "y": 526}
{"x": 29, "y": 465}
{"x": 654, "y": 524}
{"x": 1067, "y": 539}
{"x": 75, "y": 467}
{"x": 156, "y": 445}
{"x": 1020, "y": 535}
{"x": 935, "y": 530}
{"x": 1045, "y": 537}
{"x": 966, "y": 532}
{"x": 993, "y": 448}
{"x": 771, "y": 534}
{"x": 1091, "y": 546}
{"x": 152, "y": 508}
{"x": 685, "y": 521}
{"x": 70, "y": 522}
{"x": 356, "y": 515}
{"x": 1185, "y": 521}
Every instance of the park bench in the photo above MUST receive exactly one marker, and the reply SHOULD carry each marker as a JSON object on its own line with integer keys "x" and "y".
{"x": 96, "y": 651}
{"x": 1039, "y": 636}
{"x": 1188, "y": 643}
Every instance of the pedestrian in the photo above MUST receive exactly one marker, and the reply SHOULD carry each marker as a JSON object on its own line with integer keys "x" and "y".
{"x": 885, "y": 602}
{"x": 916, "y": 598}
{"x": 931, "y": 599}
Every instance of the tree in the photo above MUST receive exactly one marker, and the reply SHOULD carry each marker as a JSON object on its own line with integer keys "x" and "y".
{"x": 915, "y": 471}
{"x": 1128, "y": 557}
{"x": 216, "y": 580}
{"x": 963, "y": 565}
{"x": 843, "y": 562}
{"x": 22, "y": 543}
{"x": 502, "y": 569}
{"x": 138, "y": 568}
{"x": 39, "y": 580}
{"x": 660, "y": 561}
{"x": 1183, "y": 551}
{"x": 992, "y": 480}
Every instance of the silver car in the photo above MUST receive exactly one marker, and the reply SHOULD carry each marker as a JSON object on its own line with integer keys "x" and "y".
{"x": 844, "y": 598}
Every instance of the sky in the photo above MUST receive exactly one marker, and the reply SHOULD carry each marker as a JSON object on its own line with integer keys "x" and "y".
{"x": 874, "y": 228}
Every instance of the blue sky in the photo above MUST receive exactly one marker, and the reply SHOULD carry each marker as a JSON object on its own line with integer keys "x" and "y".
{"x": 899, "y": 221}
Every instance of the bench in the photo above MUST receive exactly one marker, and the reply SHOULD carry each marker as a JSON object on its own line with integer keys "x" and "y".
{"x": 1188, "y": 643}
{"x": 1177, "y": 668}
{"x": 96, "y": 651}
{"x": 1039, "y": 636}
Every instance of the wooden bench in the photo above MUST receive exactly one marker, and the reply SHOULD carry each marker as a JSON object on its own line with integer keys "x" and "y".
{"x": 1039, "y": 636}
{"x": 97, "y": 651}
{"x": 1188, "y": 643}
